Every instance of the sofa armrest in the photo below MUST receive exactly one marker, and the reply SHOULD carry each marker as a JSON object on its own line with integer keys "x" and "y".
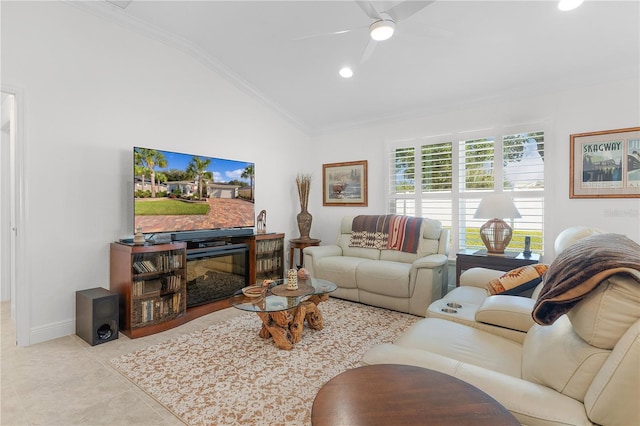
{"x": 479, "y": 277}
{"x": 314, "y": 253}
{"x": 512, "y": 312}
{"x": 430, "y": 262}
{"x": 317, "y": 252}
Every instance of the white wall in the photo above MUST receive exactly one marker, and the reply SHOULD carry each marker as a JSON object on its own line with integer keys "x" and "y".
{"x": 607, "y": 106}
{"x": 93, "y": 90}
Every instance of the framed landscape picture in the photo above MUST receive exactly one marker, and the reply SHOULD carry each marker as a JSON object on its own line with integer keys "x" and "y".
{"x": 605, "y": 164}
{"x": 344, "y": 184}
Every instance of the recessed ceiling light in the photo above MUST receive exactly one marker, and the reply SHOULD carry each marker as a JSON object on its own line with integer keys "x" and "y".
{"x": 565, "y": 5}
{"x": 382, "y": 30}
{"x": 346, "y": 72}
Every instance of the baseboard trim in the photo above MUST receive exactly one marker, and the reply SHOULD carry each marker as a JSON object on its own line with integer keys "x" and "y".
{"x": 51, "y": 331}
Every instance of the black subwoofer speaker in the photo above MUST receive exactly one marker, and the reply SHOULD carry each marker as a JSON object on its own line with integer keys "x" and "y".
{"x": 96, "y": 315}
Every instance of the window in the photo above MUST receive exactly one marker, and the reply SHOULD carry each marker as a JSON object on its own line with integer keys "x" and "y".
{"x": 455, "y": 171}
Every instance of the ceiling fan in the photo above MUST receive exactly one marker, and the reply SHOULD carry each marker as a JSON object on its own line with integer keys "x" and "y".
{"x": 384, "y": 22}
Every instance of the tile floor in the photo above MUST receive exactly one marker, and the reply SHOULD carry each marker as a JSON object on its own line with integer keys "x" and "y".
{"x": 68, "y": 382}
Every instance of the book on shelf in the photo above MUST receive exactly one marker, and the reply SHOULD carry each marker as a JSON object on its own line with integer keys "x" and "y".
{"x": 136, "y": 288}
{"x": 168, "y": 261}
{"x": 173, "y": 282}
{"x": 177, "y": 298}
{"x": 144, "y": 265}
{"x": 145, "y": 288}
{"x": 147, "y": 310}
{"x": 268, "y": 264}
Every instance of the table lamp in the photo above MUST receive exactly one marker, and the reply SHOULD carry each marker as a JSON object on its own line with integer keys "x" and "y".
{"x": 496, "y": 233}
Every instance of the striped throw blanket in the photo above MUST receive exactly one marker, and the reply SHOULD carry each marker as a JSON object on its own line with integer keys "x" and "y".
{"x": 391, "y": 232}
{"x": 370, "y": 231}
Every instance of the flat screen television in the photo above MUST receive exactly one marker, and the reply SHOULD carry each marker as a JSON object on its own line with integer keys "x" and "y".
{"x": 191, "y": 196}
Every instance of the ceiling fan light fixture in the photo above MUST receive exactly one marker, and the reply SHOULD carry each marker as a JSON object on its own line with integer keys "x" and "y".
{"x": 382, "y": 30}
{"x": 566, "y": 5}
{"x": 346, "y": 72}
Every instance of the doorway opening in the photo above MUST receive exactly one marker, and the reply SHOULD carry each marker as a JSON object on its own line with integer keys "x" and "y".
{"x": 11, "y": 254}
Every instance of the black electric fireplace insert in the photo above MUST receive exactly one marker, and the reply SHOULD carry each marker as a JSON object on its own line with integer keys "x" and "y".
{"x": 215, "y": 270}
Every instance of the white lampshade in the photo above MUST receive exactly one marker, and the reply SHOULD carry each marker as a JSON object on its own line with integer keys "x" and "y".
{"x": 497, "y": 206}
{"x": 496, "y": 233}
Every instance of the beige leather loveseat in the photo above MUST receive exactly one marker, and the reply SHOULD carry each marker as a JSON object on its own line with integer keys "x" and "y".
{"x": 577, "y": 365}
{"x": 388, "y": 278}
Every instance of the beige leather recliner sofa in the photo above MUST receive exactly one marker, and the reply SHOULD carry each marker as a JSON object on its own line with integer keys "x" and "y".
{"x": 582, "y": 369}
{"x": 471, "y": 305}
{"x": 390, "y": 279}
{"x": 504, "y": 315}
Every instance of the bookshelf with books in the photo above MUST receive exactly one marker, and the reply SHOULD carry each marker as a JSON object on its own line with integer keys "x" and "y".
{"x": 269, "y": 256}
{"x": 151, "y": 282}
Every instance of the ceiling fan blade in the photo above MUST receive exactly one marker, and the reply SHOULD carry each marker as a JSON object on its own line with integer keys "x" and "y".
{"x": 325, "y": 34}
{"x": 369, "y": 9}
{"x": 368, "y": 51}
{"x": 405, "y": 9}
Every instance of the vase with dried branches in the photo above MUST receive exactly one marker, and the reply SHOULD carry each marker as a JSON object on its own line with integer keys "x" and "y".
{"x": 304, "y": 218}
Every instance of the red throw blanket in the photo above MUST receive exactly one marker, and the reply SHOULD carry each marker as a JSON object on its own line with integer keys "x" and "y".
{"x": 404, "y": 233}
{"x": 581, "y": 268}
{"x": 392, "y": 232}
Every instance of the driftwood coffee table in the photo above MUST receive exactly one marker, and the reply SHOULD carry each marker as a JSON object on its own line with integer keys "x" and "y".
{"x": 283, "y": 316}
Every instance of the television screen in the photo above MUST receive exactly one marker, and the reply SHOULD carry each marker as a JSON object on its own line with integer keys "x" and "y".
{"x": 176, "y": 192}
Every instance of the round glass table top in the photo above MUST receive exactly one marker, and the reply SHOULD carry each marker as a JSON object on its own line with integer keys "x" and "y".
{"x": 269, "y": 302}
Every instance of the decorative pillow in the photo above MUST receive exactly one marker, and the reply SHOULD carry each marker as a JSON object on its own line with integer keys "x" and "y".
{"x": 518, "y": 280}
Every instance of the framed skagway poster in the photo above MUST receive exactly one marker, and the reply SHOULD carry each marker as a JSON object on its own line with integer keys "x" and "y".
{"x": 605, "y": 164}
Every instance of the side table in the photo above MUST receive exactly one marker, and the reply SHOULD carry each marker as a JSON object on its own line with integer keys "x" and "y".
{"x": 467, "y": 259}
{"x": 300, "y": 244}
{"x": 385, "y": 394}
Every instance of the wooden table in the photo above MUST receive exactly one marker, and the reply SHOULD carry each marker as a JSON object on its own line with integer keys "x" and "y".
{"x": 386, "y": 394}
{"x": 285, "y": 327}
{"x": 283, "y": 316}
{"x": 467, "y": 259}
{"x": 300, "y": 244}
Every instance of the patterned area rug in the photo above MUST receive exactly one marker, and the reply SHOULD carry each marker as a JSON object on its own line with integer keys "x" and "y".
{"x": 228, "y": 375}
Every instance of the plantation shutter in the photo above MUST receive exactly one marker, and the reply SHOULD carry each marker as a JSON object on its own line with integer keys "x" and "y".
{"x": 437, "y": 182}
{"x": 524, "y": 177}
{"x": 452, "y": 178}
{"x": 477, "y": 171}
{"x": 424, "y": 191}
{"x": 402, "y": 185}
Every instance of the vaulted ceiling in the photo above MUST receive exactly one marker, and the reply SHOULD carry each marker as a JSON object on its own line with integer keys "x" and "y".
{"x": 448, "y": 55}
